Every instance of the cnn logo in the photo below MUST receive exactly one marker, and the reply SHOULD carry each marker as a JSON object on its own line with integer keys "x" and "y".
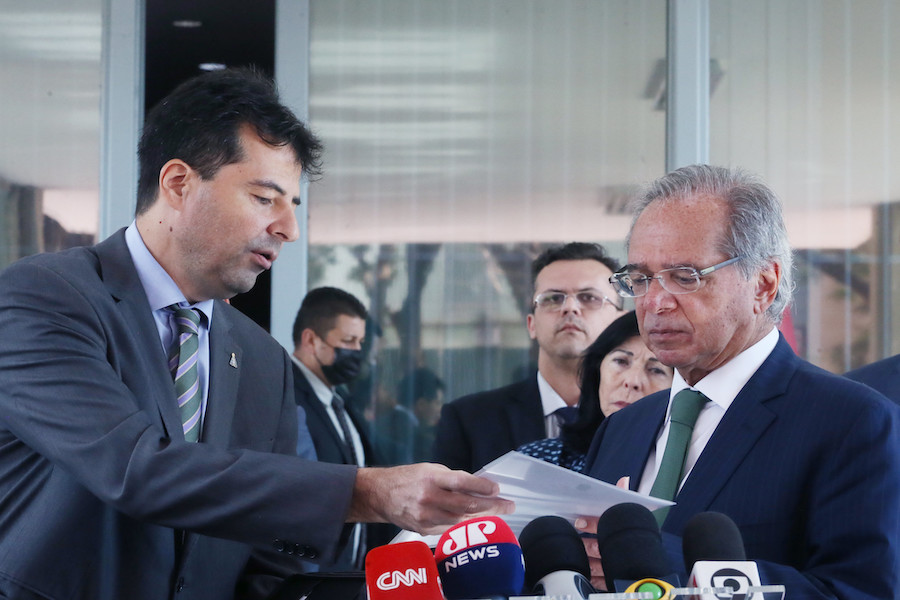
{"x": 391, "y": 580}
{"x": 473, "y": 534}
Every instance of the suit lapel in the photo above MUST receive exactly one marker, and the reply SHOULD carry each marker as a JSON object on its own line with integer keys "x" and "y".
{"x": 647, "y": 427}
{"x": 318, "y": 419}
{"x": 225, "y": 364}
{"x": 624, "y": 429}
{"x": 525, "y": 413}
{"x": 743, "y": 424}
{"x": 122, "y": 281}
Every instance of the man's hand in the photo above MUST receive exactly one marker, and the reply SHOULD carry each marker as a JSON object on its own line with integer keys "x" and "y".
{"x": 426, "y": 498}
{"x": 589, "y": 525}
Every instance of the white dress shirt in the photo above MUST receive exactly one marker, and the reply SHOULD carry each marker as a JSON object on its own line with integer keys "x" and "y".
{"x": 551, "y": 402}
{"x": 721, "y": 387}
{"x": 162, "y": 292}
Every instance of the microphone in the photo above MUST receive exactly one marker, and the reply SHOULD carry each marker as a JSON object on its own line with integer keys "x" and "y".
{"x": 631, "y": 551}
{"x": 714, "y": 554}
{"x": 555, "y": 561}
{"x": 402, "y": 571}
{"x": 478, "y": 558}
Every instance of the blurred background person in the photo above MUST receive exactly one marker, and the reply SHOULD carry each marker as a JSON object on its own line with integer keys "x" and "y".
{"x": 572, "y": 302}
{"x": 329, "y": 334}
{"x": 616, "y": 370}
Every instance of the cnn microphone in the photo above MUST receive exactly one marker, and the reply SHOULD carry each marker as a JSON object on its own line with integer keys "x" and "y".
{"x": 632, "y": 553}
{"x": 714, "y": 554}
{"x": 402, "y": 571}
{"x": 480, "y": 558}
{"x": 555, "y": 561}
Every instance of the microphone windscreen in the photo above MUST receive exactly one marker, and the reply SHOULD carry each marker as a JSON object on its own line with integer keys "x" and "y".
{"x": 403, "y": 571}
{"x": 711, "y": 536}
{"x": 478, "y": 558}
{"x": 551, "y": 544}
{"x": 630, "y": 544}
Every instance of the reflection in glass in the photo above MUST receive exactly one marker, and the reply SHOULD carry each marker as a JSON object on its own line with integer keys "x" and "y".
{"x": 808, "y": 99}
{"x": 50, "y": 119}
{"x": 461, "y": 139}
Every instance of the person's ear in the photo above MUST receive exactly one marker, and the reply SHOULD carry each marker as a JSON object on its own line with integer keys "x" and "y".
{"x": 767, "y": 281}
{"x": 175, "y": 179}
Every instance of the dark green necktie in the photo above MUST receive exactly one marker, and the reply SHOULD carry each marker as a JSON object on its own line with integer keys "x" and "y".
{"x": 686, "y": 407}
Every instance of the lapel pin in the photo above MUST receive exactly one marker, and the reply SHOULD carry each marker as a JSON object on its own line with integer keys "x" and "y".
{"x": 233, "y": 361}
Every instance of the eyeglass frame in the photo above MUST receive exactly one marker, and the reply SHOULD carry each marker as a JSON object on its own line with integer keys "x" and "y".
{"x": 603, "y": 297}
{"x": 615, "y": 278}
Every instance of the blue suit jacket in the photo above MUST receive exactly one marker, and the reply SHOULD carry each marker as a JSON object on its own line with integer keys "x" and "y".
{"x": 96, "y": 480}
{"x": 883, "y": 375}
{"x": 476, "y": 429}
{"x": 806, "y": 463}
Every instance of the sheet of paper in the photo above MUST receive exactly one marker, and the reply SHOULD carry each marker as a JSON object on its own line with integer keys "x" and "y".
{"x": 539, "y": 488}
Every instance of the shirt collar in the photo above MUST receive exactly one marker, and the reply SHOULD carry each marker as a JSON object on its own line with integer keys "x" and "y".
{"x": 550, "y": 400}
{"x": 160, "y": 288}
{"x": 724, "y": 384}
{"x": 322, "y": 390}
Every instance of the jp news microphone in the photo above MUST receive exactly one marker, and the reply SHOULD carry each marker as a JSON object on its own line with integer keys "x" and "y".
{"x": 714, "y": 554}
{"x": 480, "y": 558}
{"x": 402, "y": 571}
{"x": 555, "y": 561}
{"x": 632, "y": 553}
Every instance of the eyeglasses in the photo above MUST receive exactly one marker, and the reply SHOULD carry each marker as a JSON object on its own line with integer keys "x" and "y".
{"x": 587, "y": 299}
{"x": 677, "y": 280}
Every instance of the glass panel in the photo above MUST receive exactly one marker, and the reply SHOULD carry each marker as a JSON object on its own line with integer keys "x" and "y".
{"x": 50, "y": 119}
{"x": 461, "y": 139}
{"x": 806, "y": 95}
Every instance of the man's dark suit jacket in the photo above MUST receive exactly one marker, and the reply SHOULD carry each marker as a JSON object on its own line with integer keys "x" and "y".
{"x": 476, "y": 429}
{"x": 329, "y": 444}
{"x": 331, "y": 448}
{"x": 96, "y": 480}
{"x": 807, "y": 464}
{"x": 883, "y": 375}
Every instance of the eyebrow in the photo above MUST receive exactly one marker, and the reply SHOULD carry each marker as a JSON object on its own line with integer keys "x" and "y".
{"x": 622, "y": 350}
{"x": 643, "y": 267}
{"x": 268, "y": 184}
{"x": 562, "y": 291}
{"x": 274, "y": 186}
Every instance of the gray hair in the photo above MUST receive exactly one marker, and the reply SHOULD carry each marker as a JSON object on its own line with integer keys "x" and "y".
{"x": 756, "y": 230}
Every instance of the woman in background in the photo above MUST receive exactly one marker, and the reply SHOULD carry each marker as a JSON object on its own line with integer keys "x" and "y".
{"x": 616, "y": 370}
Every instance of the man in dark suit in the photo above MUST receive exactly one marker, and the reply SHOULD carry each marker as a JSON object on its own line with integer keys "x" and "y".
{"x": 573, "y": 302}
{"x": 805, "y": 462}
{"x": 883, "y": 375}
{"x": 149, "y": 431}
{"x": 328, "y": 336}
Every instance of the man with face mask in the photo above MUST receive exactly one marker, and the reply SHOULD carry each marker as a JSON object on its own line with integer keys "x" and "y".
{"x": 328, "y": 335}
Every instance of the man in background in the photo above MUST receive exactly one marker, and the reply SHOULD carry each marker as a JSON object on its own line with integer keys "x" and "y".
{"x": 328, "y": 337}
{"x": 883, "y": 375}
{"x": 573, "y": 302}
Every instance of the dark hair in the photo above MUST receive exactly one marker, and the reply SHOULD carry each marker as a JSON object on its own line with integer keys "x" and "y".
{"x": 572, "y": 251}
{"x": 321, "y": 308}
{"x": 199, "y": 122}
{"x": 580, "y": 433}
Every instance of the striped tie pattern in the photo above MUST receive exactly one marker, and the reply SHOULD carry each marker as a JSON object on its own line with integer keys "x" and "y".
{"x": 183, "y": 364}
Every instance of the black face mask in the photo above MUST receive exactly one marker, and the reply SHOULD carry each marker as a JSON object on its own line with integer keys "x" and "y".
{"x": 345, "y": 367}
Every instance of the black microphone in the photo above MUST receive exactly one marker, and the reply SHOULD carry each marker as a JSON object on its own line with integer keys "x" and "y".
{"x": 631, "y": 550}
{"x": 555, "y": 561}
{"x": 711, "y": 536}
{"x": 715, "y": 557}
